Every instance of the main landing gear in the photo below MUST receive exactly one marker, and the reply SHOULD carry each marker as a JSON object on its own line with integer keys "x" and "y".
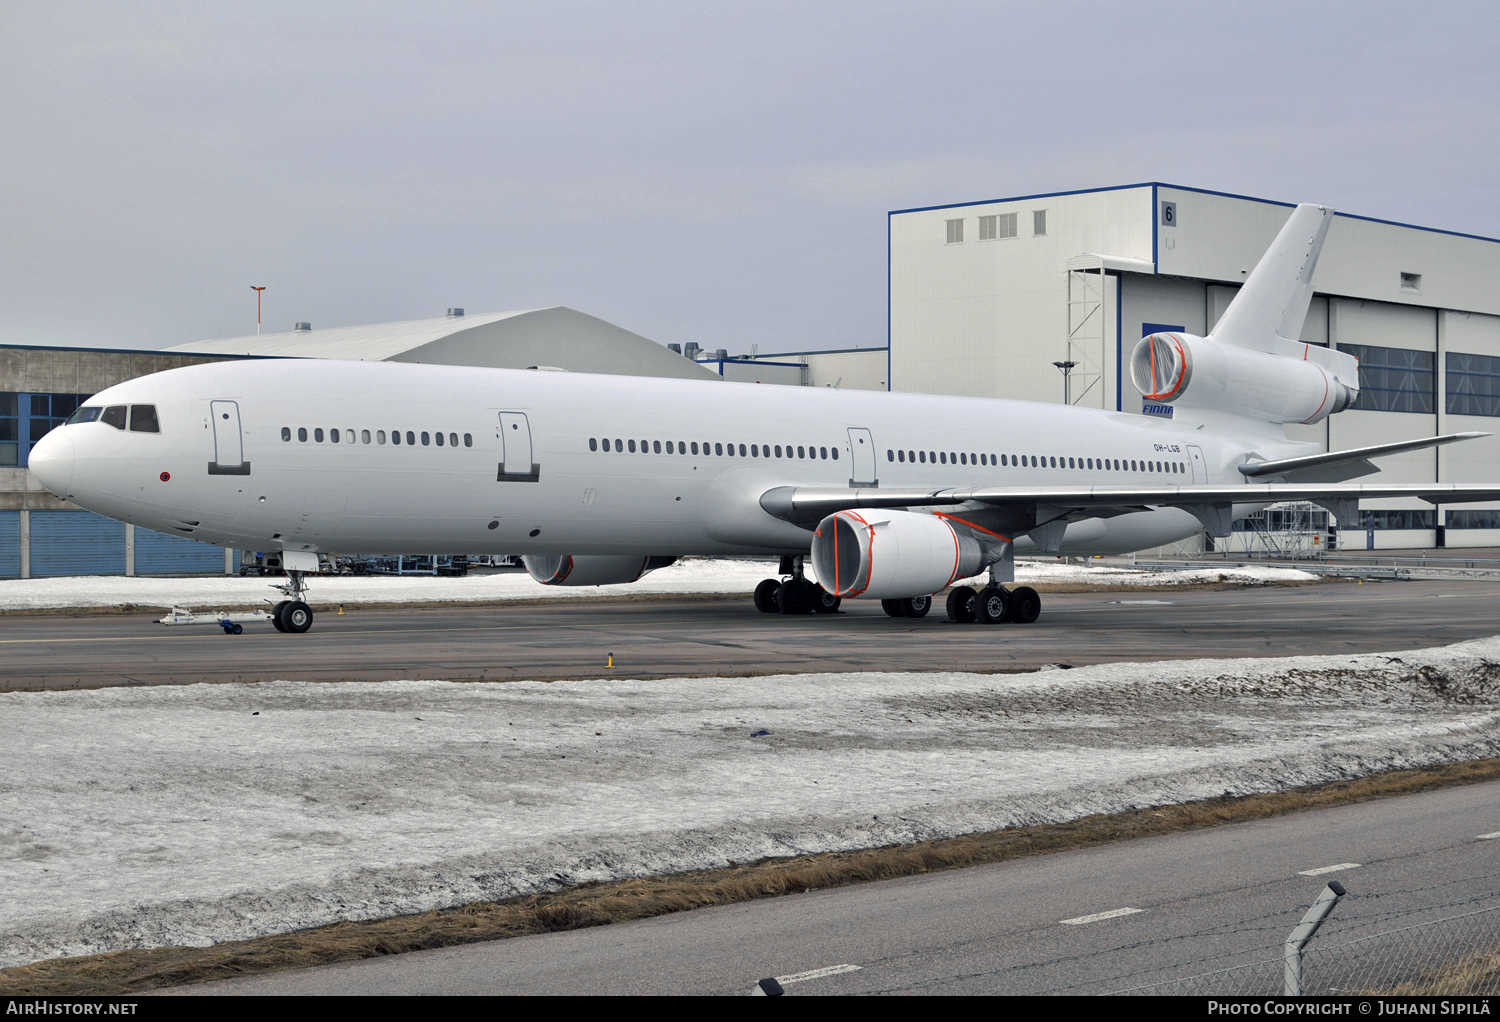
{"x": 796, "y": 595}
{"x": 994, "y": 604}
{"x": 292, "y": 614}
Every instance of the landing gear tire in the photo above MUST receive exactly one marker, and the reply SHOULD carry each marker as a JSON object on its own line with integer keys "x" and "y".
{"x": 296, "y": 617}
{"x": 824, "y": 602}
{"x": 792, "y": 598}
{"x": 916, "y": 606}
{"x": 992, "y": 605}
{"x": 961, "y": 605}
{"x": 893, "y": 607}
{"x": 1025, "y": 605}
{"x": 276, "y": 615}
{"x": 765, "y": 596}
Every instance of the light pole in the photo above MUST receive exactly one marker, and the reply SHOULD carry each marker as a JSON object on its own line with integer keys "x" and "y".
{"x": 257, "y": 291}
{"x": 1066, "y": 367}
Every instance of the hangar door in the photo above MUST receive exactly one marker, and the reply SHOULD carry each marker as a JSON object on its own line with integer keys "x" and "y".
{"x": 10, "y": 544}
{"x": 76, "y": 543}
{"x": 160, "y": 553}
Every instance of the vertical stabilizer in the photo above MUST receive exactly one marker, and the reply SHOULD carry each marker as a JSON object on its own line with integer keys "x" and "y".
{"x": 1273, "y": 303}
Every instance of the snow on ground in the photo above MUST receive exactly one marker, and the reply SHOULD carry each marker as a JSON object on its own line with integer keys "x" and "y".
{"x": 696, "y": 575}
{"x": 193, "y": 814}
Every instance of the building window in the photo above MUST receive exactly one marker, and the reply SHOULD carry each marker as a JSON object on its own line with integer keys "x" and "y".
{"x": 1473, "y": 384}
{"x": 1007, "y": 225}
{"x": 987, "y": 228}
{"x": 1485, "y": 518}
{"x": 955, "y": 231}
{"x": 1038, "y": 222}
{"x": 1394, "y": 379}
{"x": 1398, "y": 519}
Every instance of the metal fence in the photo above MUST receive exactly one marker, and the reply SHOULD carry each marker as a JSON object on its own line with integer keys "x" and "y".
{"x": 1455, "y": 955}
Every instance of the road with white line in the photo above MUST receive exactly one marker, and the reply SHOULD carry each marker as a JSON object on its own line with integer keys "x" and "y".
{"x": 1137, "y": 912}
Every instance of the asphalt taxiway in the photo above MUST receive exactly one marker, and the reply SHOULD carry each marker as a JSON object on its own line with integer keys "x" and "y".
{"x": 719, "y": 636}
{"x": 1105, "y": 919}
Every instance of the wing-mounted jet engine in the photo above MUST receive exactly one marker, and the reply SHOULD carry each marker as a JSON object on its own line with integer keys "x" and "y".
{"x": 879, "y": 555}
{"x": 594, "y": 570}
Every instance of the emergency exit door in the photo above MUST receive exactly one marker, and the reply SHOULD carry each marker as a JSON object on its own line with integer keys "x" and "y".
{"x": 229, "y": 443}
{"x": 517, "y": 464}
{"x": 1195, "y": 459}
{"x": 862, "y": 455}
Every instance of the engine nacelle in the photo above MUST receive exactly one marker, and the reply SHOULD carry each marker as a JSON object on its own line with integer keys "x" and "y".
{"x": 891, "y": 555}
{"x": 1201, "y": 372}
{"x": 593, "y": 570}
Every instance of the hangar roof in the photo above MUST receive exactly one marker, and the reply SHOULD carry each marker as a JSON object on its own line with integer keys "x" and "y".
{"x": 557, "y": 336}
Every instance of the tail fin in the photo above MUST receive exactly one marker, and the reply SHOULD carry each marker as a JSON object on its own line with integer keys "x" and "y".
{"x": 1273, "y": 303}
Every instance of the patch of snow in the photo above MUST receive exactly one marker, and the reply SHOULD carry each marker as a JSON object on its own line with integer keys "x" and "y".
{"x": 692, "y": 575}
{"x": 194, "y": 814}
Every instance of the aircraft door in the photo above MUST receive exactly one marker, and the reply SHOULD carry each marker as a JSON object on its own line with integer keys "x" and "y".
{"x": 519, "y": 465}
{"x": 229, "y": 445}
{"x": 1200, "y": 467}
{"x": 862, "y": 454}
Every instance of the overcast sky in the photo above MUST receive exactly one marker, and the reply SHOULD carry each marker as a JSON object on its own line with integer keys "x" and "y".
{"x": 709, "y": 172}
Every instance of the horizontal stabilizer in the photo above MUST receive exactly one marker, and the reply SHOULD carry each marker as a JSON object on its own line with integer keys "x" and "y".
{"x": 1285, "y": 466}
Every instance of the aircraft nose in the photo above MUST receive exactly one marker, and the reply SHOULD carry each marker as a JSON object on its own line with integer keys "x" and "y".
{"x": 51, "y": 462}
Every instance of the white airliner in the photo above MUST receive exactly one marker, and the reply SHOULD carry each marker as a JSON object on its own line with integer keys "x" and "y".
{"x": 600, "y": 479}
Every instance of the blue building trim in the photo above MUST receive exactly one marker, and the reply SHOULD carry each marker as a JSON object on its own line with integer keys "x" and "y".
{"x": 1156, "y": 186}
{"x": 130, "y": 351}
{"x": 1155, "y": 223}
{"x": 1119, "y": 342}
{"x": 1016, "y": 198}
{"x": 23, "y": 429}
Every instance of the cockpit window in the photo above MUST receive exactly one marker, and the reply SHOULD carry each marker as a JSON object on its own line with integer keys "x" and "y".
{"x": 87, "y": 414}
{"x": 114, "y": 416}
{"x": 143, "y": 419}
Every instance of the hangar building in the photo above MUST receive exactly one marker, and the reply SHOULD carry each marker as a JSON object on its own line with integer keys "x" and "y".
{"x": 984, "y": 298}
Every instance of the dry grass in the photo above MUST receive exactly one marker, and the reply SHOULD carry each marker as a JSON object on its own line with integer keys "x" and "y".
{"x": 1477, "y": 975}
{"x": 124, "y": 972}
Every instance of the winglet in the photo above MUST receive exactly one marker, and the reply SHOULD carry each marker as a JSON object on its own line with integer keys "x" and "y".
{"x": 1274, "y": 301}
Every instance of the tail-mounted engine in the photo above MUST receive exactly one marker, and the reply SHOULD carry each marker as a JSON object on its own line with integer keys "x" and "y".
{"x": 888, "y": 555}
{"x": 1305, "y": 384}
{"x": 595, "y": 570}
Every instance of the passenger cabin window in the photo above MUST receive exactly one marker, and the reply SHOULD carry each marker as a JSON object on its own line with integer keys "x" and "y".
{"x": 380, "y": 436}
{"x": 318, "y": 435}
{"x": 426, "y": 440}
{"x": 114, "y": 416}
{"x": 439, "y": 439}
{"x": 286, "y": 434}
{"x": 333, "y": 435}
{"x": 411, "y": 438}
{"x": 468, "y": 439}
{"x": 143, "y": 419}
